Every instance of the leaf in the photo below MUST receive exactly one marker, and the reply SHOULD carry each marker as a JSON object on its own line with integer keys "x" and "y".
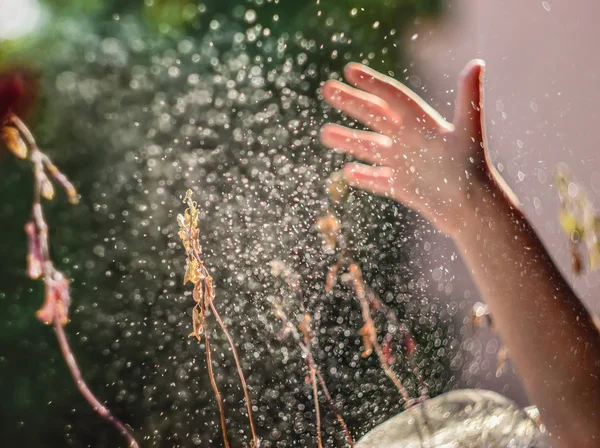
{"x": 198, "y": 293}
{"x": 197, "y": 322}
{"x": 192, "y": 271}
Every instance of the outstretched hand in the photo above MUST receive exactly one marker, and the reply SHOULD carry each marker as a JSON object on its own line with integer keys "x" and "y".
{"x": 416, "y": 157}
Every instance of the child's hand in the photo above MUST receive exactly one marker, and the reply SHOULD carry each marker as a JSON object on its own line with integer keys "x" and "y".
{"x": 418, "y": 158}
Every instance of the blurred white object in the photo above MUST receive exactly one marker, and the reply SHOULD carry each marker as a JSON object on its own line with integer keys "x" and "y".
{"x": 460, "y": 419}
{"x": 19, "y": 17}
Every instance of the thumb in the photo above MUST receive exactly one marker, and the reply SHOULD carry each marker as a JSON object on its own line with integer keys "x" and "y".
{"x": 469, "y": 101}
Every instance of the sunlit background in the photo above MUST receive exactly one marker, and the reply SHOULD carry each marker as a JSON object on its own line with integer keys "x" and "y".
{"x": 139, "y": 101}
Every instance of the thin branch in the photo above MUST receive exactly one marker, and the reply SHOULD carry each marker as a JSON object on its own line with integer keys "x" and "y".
{"x": 239, "y": 369}
{"x": 369, "y": 332}
{"x": 291, "y": 328}
{"x": 313, "y": 377}
{"x": 334, "y": 409}
{"x": 213, "y": 382}
{"x": 333, "y": 237}
{"x": 378, "y": 305}
{"x": 96, "y": 405}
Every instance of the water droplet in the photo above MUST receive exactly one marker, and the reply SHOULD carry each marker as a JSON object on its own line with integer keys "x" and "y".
{"x": 250, "y": 16}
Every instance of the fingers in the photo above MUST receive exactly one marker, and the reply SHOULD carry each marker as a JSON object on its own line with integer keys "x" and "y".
{"x": 375, "y": 179}
{"x": 367, "y": 108}
{"x": 400, "y": 98}
{"x": 367, "y": 146}
{"x": 469, "y": 100}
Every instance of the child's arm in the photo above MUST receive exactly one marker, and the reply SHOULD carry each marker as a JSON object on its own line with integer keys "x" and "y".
{"x": 441, "y": 170}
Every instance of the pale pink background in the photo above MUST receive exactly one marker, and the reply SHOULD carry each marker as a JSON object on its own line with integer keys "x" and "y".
{"x": 542, "y": 98}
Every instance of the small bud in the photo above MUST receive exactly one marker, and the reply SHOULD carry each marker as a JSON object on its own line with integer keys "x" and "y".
{"x": 14, "y": 142}
{"x": 46, "y": 188}
{"x": 368, "y": 333}
{"x": 329, "y": 227}
{"x": 337, "y": 188}
{"x": 63, "y": 181}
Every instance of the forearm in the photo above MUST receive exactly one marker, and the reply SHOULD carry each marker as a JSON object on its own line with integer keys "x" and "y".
{"x": 549, "y": 333}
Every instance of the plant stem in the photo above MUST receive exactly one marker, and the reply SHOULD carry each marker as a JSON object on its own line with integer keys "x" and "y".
{"x": 42, "y": 163}
{"x": 213, "y": 382}
{"x": 240, "y": 372}
{"x": 96, "y": 405}
{"x": 359, "y": 290}
{"x": 313, "y": 377}
{"x": 334, "y": 409}
{"x": 313, "y": 366}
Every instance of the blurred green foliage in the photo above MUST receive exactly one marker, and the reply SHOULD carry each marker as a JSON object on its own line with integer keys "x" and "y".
{"x": 367, "y": 28}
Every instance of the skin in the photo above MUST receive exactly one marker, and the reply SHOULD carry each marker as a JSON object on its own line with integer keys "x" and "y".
{"x": 442, "y": 171}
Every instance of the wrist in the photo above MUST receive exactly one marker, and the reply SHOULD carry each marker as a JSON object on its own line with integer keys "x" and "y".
{"x": 488, "y": 206}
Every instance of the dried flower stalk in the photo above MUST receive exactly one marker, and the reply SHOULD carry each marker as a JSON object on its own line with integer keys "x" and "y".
{"x": 334, "y": 240}
{"x": 57, "y": 299}
{"x": 203, "y": 295}
{"x": 302, "y": 334}
{"x": 303, "y": 337}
